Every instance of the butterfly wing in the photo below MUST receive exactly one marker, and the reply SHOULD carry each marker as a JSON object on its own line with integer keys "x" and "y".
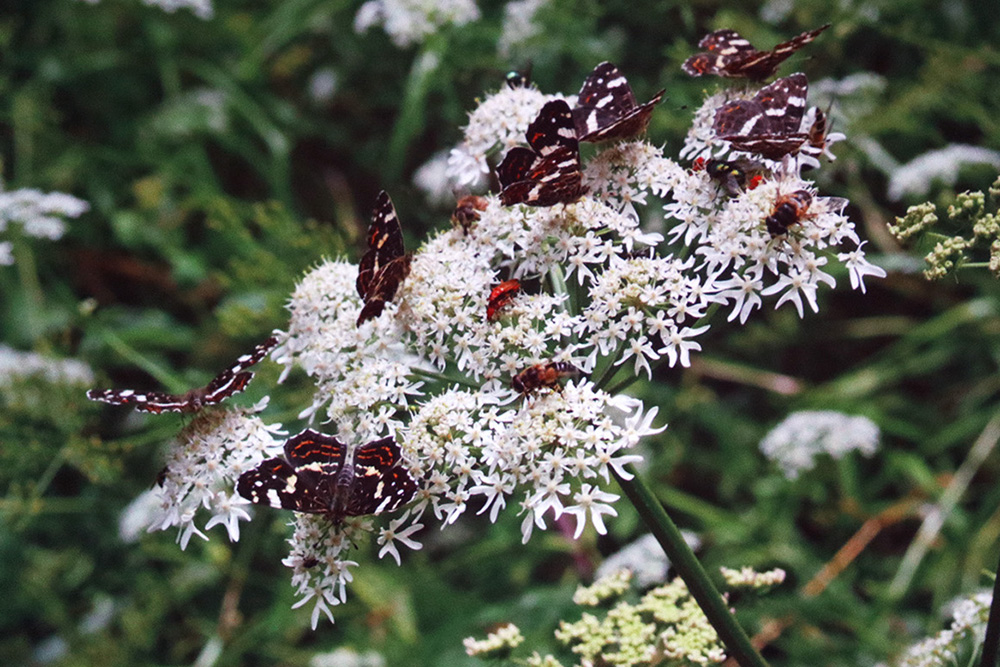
{"x": 385, "y": 242}
{"x": 385, "y": 492}
{"x": 548, "y": 173}
{"x": 768, "y": 124}
{"x": 379, "y": 484}
{"x": 516, "y": 165}
{"x": 760, "y": 65}
{"x": 730, "y": 55}
{"x": 277, "y": 484}
{"x": 385, "y": 264}
{"x": 722, "y": 47}
{"x": 375, "y": 456}
{"x": 151, "y": 401}
{"x": 316, "y": 451}
{"x": 606, "y": 107}
{"x": 230, "y": 381}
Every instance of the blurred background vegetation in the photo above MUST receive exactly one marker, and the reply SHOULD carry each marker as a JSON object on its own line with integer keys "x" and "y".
{"x": 223, "y": 157}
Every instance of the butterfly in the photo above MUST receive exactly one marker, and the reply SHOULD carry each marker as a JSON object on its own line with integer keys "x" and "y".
{"x": 385, "y": 264}
{"x": 730, "y": 55}
{"x": 606, "y": 107}
{"x": 549, "y": 172}
{"x": 230, "y": 381}
{"x": 317, "y": 476}
{"x": 769, "y": 123}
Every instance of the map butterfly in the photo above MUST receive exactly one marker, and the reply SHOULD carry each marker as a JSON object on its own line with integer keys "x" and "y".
{"x": 606, "y": 107}
{"x": 385, "y": 264}
{"x": 230, "y": 381}
{"x": 319, "y": 476}
{"x": 730, "y": 55}
{"x": 769, "y": 123}
{"x": 549, "y": 172}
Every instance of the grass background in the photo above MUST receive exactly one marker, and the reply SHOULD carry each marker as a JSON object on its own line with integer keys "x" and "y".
{"x": 215, "y": 180}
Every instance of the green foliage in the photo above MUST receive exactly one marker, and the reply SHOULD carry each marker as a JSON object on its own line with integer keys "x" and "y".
{"x": 975, "y": 227}
{"x": 215, "y": 178}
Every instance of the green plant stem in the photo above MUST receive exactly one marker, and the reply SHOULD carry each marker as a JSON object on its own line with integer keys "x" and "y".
{"x": 991, "y": 646}
{"x": 690, "y": 570}
{"x": 441, "y": 377}
{"x": 611, "y": 368}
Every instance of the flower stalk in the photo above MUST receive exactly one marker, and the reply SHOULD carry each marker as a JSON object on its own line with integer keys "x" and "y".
{"x": 681, "y": 557}
{"x": 991, "y": 646}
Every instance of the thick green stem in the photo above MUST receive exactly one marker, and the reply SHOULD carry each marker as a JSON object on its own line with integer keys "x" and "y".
{"x": 690, "y": 570}
{"x": 991, "y": 647}
{"x": 611, "y": 368}
{"x": 441, "y": 377}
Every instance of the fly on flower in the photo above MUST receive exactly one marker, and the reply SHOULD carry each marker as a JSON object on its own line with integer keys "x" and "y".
{"x": 467, "y": 211}
{"x": 734, "y": 176}
{"x": 500, "y": 297}
{"x": 545, "y": 375}
{"x": 730, "y": 55}
{"x": 519, "y": 78}
{"x": 606, "y": 107}
{"x": 318, "y": 477}
{"x": 819, "y": 137}
{"x": 769, "y": 123}
{"x": 789, "y": 210}
{"x": 818, "y": 130}
{"x": 548, "y": 173}
{"x": 385, "y": 265}
{"x": 230, "y": 381}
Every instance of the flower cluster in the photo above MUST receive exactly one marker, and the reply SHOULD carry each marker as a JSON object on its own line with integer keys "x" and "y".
{"x": 747, "y": 577}
{"x": 16, "y": 367}
{"x": 499, "y": 122}
{"x": 498, "y": 644}
{"x": 519, "y": 24}
{"x": 968, "y": 626}
{"x": 38, "y": 214}
{"x": 435, "y": 372}
{"x": 201, "y": 8}
{"x": 915, "y": 178}
{"x": 34, "y": 386}
{"x": 208, "y": 456}
{"x": 971, "y": 211}
{"x": 666, "y": 622}
{"x": 506, "y": 405}
{"x": 409, "y": 22}
{"x": 795, "y": 443}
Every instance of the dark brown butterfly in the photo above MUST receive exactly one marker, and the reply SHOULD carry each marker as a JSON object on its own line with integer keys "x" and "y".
{"x": 385, "y": 265}
{"x": 316, "y": 476}
{"x": 230, "y": 381}
{"x": 606, "y": 107}
{"x": 730, "y": 55}
{"x": 769, "y": 123}
{"x": 548, "y": 173}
